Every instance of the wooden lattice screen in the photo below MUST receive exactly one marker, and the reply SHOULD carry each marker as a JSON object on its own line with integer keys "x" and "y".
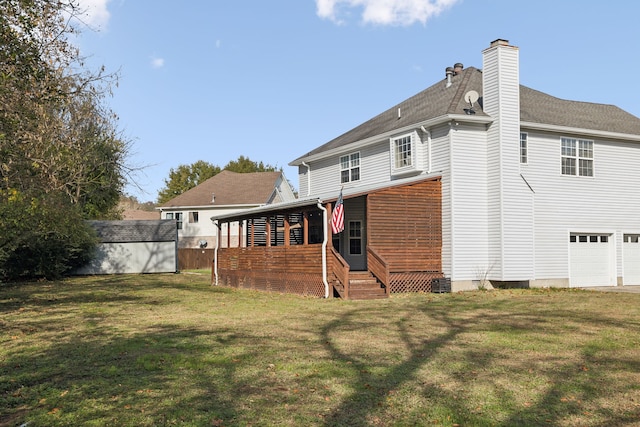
{"x": 405, "y": 229}
{"x": 293, "y": 269}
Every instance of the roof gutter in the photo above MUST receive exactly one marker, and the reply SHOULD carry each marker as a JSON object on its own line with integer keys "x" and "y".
{"x": 181, "y": 207}
{"x": 325, "y": 230}
{"x": 363, "y": 142}
{"x": 581, "y": 131}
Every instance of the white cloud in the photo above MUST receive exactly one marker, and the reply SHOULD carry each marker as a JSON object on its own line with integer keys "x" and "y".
{"x": 95, "y": 13}
{"x": 384, "y": 12}
{"x": 157, "y": 62}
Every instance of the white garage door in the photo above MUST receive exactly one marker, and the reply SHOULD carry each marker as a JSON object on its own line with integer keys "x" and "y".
{"x": 631, "y": 259}
{"x": 591, "y": 260}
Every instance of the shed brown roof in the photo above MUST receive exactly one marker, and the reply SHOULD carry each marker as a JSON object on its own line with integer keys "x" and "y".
{"x": 229, "y": 188}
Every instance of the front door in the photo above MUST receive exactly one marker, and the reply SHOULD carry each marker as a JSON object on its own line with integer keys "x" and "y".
{"x": 353, "y": 238}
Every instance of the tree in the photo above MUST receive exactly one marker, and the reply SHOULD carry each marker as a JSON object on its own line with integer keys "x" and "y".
{"x": 246, "y": 165}
{"x": 185, "y": 177}
{"x": 60, "y": 149}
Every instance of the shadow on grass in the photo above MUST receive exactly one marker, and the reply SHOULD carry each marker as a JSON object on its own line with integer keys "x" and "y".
{"x": 574, "y": 389}
{"x": 175, "y": 373}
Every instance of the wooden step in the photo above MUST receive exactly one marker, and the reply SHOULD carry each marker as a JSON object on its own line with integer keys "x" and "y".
{"x": 363, "y": 285}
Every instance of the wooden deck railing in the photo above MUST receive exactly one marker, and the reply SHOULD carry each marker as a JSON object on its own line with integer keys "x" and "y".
{"x": 340, "y": 269}
{"x": 378, "y": 267}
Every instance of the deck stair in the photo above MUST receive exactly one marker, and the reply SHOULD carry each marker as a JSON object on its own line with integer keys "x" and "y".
{"x": 363, "y": 285}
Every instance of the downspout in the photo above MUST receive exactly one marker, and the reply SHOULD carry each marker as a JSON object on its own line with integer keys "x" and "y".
{"x": 308, "y": 177}
{"x": 215, "y": 252}
{"x": 428, "y": 147}
{"x": 324, "y": 248}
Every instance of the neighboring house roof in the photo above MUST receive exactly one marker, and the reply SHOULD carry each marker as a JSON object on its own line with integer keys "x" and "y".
{"x": 134, "y": 214}
{"x": 440, "y": 101}
{"x": 229, "y": 188}
{"x": 128, "y": 231}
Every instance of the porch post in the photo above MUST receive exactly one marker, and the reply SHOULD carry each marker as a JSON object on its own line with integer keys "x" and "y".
{"x": 305, "y": 228}
{"x": 240, "y": 235}
{"x": 253, "y": 232}
{"x": 286, "y": 229}
{"x": 268, "y": 228}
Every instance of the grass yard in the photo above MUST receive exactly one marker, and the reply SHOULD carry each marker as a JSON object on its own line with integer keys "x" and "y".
{"x": 155, "y": 350}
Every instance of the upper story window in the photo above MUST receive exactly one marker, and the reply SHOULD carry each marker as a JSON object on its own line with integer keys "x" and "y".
{"x": 193, "y": 217}
{"x": 402, "y": 152}
{"x": 177, "y": 216}
{"x": 523, "y": 148}
{"x": 350, "y": 168}
{"x": 577, "y": 157}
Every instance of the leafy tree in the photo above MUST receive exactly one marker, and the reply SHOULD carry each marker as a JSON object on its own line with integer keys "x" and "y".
{"x": 185, "y": 177}
{"x": 42, "y": 236}
{"x": 246, "y": 165}
{"x": 62, "y": 158}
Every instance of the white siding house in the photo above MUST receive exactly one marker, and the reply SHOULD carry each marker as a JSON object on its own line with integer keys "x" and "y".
{"x": 536, "y": 191}
{"x": 225, "y": 193}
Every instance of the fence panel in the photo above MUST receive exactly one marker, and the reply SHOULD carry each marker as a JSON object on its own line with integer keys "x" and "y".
{"x": 195, "y": 258}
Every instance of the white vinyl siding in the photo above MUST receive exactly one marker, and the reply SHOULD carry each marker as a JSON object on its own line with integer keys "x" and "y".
{"x": 598, "y": 204}
{"x": 468, "y": 197}
{"x": 510, "y": 201}
{"x": 374, "y": 168}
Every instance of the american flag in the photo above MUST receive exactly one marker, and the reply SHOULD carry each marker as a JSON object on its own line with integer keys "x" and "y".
{"x": 337, "y": 217}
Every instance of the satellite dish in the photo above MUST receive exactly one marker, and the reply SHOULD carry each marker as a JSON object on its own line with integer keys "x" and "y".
{"x": 471, "y": 97}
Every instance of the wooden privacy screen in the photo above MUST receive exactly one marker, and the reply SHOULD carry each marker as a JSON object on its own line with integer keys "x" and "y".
{"x": 288, "y": 269}
{"x": 405, "y": 228}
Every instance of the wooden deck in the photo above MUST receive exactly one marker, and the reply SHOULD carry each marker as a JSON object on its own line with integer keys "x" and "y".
{"x": 403, "y": 250}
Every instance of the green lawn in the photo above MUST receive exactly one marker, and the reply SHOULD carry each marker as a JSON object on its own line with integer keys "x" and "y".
{"x": 150, "y": 350}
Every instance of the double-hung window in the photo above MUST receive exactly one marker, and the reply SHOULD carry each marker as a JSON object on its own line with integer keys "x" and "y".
{"x": 402, "y": 152}
{"x": 577, "y": 157}
{"x": 350, "y": 168}
{"x": 177, "y": 216}
{"x": 523, "y": 148}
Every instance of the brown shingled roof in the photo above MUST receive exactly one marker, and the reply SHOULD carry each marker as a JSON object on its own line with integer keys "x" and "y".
{"x": 439, "y": 101}
{"x": 230, "y": 188}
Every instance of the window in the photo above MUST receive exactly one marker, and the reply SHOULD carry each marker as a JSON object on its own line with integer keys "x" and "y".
{"x": 402, "y": 152}
{"x": 350, "y": 168}
{"x": 355, "y": 237}
{"x": 523, "y": 148}
{"x": 589, "y": 238}
{"x": 577, "y": 157}
{"x": 193, "y": 217}
{"x": 177, "y": 216}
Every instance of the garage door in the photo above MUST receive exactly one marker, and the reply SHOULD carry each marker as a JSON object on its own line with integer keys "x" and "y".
{"x": 631, "y": 259}
{"x": 591, "y": 260}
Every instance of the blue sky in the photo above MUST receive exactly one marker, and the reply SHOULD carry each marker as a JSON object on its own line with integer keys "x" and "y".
{"x": 271, "y": 80}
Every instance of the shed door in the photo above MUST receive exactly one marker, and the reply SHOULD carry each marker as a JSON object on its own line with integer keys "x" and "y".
{"x": 631, "y": 259}
{"x": 591, "y": 260}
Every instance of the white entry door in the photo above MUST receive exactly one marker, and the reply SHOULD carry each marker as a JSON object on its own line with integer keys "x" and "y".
{"x": 591, "y": 260}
